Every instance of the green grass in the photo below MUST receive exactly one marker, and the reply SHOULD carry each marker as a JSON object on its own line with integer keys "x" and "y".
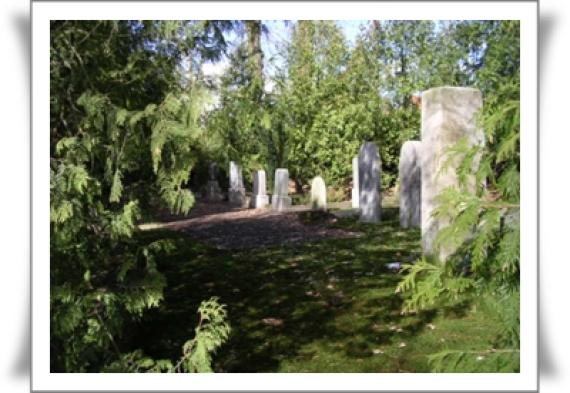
{"x": 353, "y": 325}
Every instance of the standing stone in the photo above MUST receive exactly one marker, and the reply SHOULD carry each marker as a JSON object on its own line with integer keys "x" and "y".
{"x": 280, "y": 200}
{"x": 260, "y": 198}
{"x": 236, "y": 193}
{"x": 355, "y": 198}
{"x": 410, "y": 185}
{"x": 318, "y": 194}
{"x": 369, "y": 168}
{"x": 448, "y": 115}
{"x": 213, "y": 191}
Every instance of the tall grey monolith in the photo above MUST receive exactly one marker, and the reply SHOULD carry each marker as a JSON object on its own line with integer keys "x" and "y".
{"x": 449, "y": 114}
{"x": 260, "y": 198}
{"x": 355, "y": 198}
{"x": 213, "y": 191}
{"x": 318, "y": 194}
{"x": 236, "y": 192}
{"x": 410, "y": 185}
{"x": 369, "y": 169}
{"x": 280, "y": 199}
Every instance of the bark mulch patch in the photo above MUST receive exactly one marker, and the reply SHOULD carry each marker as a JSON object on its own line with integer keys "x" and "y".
{"x": 226, "y": 227}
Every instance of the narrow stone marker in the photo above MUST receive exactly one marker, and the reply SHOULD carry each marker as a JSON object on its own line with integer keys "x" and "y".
{"x": 236, "y": 193}
{"x": 448, "y": 115}
{"x": 213, "y": 191}
{"x": 260, "y": 198}
{"x": 318, "y": 194}
{"x": 369, "y": 169}
{"x": 410, "y": 185}
{"x": 354, "y": 194}
{"x": 280, "y": 200}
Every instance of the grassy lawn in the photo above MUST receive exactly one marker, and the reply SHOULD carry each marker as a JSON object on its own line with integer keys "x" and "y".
{"x": 327, "y": 306}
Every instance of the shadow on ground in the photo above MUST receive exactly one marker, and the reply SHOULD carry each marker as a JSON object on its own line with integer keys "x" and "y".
{"x": 323, "y": 306}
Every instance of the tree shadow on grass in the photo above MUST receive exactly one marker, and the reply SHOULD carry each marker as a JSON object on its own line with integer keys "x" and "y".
{"x": 285, "y": 303}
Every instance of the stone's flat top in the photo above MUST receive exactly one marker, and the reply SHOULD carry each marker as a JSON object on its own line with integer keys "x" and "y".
{"x": 451, "y": 99}
{"x": 441, "y": 89}
{"x": 227, "y": 227}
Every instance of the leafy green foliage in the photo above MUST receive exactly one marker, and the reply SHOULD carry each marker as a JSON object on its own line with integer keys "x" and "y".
{"x": 212, "y": 331}
{"x": 125, "y": 125}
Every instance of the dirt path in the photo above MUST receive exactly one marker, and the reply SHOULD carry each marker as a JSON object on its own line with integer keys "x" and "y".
{"x": 223, "y": 226}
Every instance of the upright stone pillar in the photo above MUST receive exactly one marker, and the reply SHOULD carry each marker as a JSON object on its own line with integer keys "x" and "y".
{"x": 369, "y": 169}
{"x": 280, "y": 199}
{"x": 236, "y": 192}
{"x": 213, "y": 191}
{"x": 260, "y": 198}
{"x": 318, "y": 194}
{"x": 410, "y": 185}
{"x": 448, "y": 115}
{"x": 355, "y": 197}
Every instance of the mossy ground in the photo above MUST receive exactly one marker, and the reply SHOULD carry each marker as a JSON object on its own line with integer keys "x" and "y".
{"x": 327, "y": 306}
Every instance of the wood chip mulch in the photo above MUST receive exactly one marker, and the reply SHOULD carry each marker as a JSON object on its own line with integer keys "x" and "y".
{"x": 225, "y": 227}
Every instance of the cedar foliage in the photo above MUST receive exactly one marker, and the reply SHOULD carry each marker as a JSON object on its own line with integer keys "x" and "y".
{"x": 125, "y": 126}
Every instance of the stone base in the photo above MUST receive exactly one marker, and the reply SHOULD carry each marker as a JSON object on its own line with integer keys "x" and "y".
{"x": 370, "y": 218}
{"x": 259, "y": 201}
{"x": 370, "y": 212}
{"x": 355, "y": 199}
{"x": 280, "y": 203}
{"x": 237, "y": 197}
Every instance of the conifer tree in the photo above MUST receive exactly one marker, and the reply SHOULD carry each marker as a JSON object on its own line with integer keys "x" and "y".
{"x": 123, "y": 129}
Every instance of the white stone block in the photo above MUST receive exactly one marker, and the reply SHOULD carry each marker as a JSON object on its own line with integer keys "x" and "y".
{"x": 448, "y": 115}
{"x": 369, "y": 169}
{"x": 318, "y": 194}
{"x": 410, "y": 185}
{"x": 354, "y": 191}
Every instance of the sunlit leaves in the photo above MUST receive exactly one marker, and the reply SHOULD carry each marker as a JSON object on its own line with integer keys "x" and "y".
{"x": 212, "y": 331}
{"x": 116, "y": 187}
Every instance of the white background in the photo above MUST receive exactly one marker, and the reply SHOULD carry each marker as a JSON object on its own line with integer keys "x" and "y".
{"x": 14, "y": 195}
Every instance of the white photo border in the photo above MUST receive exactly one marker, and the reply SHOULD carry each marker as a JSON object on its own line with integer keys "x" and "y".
{"x": 43, "y": 12}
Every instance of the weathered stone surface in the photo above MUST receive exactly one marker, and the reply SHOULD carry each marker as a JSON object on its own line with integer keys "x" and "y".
{"x": 213, "y": 190}
{"x": 448, "y": 115}
{"x": 318, "y": 194}
{"x": 410, "y": 185}
{"x": 259, "y": 183}
{"x": 355, "y": 198}
{"x": 280, "y": 199}
{"x": 236, "y": 193}
{"x": 369, "y": 168}
{"x": 236, "y": 178}
{"x": 212, "y": 171}
{"x": 259, "y": 201}
{"x": 260, "y": 198}
{"x": 238, "y": 197}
